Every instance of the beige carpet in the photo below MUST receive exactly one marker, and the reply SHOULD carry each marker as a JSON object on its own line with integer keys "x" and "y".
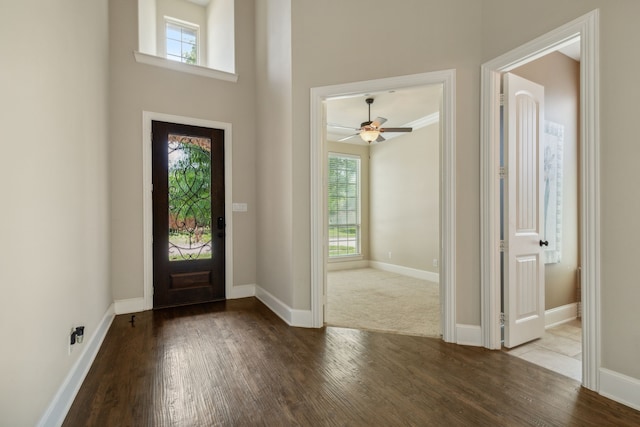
{"x": 382, "y": 301}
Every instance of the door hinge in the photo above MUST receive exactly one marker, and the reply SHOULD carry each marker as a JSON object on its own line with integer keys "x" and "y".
{"x": 502, "y": 99}
{"x": 502, "y": 172}
{"x": 503, "y": 245}
{"x": 502, "y": 319}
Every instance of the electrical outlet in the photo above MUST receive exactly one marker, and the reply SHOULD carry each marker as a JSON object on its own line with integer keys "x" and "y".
{"x": 71, "y": 340}
{"x": 76, "y": 337}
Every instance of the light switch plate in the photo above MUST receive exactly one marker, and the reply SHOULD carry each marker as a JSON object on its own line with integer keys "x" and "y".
{"x": 239, "y": 207}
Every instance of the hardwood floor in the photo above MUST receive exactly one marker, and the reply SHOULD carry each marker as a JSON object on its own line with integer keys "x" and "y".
{"x": 235, "y": 363}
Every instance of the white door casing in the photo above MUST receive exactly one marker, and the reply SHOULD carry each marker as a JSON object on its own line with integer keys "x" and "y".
{"x": 524, "y": 266}
{"x": 584, "y": 29}
{"x": 447, "y": 187}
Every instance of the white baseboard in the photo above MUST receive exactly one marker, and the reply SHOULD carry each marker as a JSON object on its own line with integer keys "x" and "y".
{"x": 406, "y": 271}
{"x": 59, "y": 406}
{"x": 469, "y": 335}
{"x": 241, "y": 291}
{"x": 347, "y": 265}
{"x": 131, "y": 305}
{"x": 620, "y": 387}
{"x": 559, "y": 315}
{"x": 299, "y": 318}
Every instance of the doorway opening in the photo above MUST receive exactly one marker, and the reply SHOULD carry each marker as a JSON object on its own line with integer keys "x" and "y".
{"x": 188, "y": 214}
{"x": 584, "y": 29}
{"x": 148, "y": 117}
{"x": 383, "y": 212}
{"x": 555, "y": 342}
{"x": 319, "y": 220}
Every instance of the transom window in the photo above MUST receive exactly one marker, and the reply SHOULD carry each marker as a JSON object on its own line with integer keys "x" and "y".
{"x": 182, "y": 41}
{"x": 344, "y": 205}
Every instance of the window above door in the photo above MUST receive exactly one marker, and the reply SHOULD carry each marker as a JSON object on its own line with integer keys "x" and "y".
{"x": 195, "y": 36}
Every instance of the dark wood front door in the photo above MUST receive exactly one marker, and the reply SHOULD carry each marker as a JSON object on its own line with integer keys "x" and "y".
{"x": 188, "y": 214}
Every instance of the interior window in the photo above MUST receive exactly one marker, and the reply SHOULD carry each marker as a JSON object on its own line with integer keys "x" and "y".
{"x": 195, "y": 32}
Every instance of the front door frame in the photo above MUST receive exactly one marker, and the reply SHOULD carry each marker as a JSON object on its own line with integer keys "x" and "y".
{"x": 585, "y": 28}
{"x": 147, "y": 201}
{"x": 447, "y": 187}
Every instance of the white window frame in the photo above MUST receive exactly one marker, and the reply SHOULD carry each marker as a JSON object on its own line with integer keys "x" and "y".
{"x": 186, "y": 25}
{"x": 150, "y": 51}
{"x": 358, "y": 224}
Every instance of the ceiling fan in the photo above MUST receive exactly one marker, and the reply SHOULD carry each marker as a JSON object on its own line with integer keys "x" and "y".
{"x": 371, "y": 131}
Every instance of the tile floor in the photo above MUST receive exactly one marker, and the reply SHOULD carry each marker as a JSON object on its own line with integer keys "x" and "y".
{"x": 559, "y": 350}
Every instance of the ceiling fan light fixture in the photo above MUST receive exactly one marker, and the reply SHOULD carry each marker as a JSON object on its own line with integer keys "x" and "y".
{"x": 369, "y": 135}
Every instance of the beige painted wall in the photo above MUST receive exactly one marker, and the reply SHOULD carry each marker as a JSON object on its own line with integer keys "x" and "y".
{"x": 503, "y": 29}
{"x": 363, "y": 152}
{"x": 431, "y": 35}
{"x": 560, "y": 76}
{"x": 135, "y": 88}
{"x": 274, "y": 178}
{"x": 54, "y": 225}
{"x": 405, "y": 217}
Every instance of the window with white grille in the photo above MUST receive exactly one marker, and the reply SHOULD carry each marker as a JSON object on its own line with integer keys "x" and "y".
{"x": 182, "y": 41}
{"x": 344, "y": 205}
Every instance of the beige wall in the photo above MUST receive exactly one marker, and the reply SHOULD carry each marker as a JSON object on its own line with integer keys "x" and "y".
{"x": 429, "y": 36}
{"x": 363, "y": 152}
{"x": 135, "y": 88}
{"x": 274, "y": 179}
{"x": 54, "y": 224}
{"x": 503, "y": 29}
{"x": 405, "y": 178}
{"x": 560, "y": 76}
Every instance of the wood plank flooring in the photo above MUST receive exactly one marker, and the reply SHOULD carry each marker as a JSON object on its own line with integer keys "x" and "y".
{"x": 235, "y": 363}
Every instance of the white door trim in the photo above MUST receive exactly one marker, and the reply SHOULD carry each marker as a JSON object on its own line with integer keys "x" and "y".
{"x": 447, "y": 187}
{"x": 147, "y": 200}
{"x": 586, "y": 28}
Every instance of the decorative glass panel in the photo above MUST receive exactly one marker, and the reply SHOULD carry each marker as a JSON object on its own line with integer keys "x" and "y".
{"x": 189, "y": 198}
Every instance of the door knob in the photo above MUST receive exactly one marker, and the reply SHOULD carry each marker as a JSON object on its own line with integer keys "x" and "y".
{"x": 544, "y": 243}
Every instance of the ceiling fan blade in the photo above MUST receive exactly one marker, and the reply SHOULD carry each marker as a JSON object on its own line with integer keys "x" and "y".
{"x": 378, "y": 122}
{"x": 396, "y": 129}
{"x": 336, "y": 126}
{"x": 380, "y": 138}
{"x": 348, "y": 137}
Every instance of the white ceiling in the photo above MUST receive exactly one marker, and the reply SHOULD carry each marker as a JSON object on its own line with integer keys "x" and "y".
{"x": 400, "y": 107}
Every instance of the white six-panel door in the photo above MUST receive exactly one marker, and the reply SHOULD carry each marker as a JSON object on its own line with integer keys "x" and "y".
{"x": 524, "y": 266}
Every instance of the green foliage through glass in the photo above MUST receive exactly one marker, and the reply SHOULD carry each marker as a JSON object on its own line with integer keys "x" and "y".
{"x": 344, "y": 205}
{"x": 189, "y": 198}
